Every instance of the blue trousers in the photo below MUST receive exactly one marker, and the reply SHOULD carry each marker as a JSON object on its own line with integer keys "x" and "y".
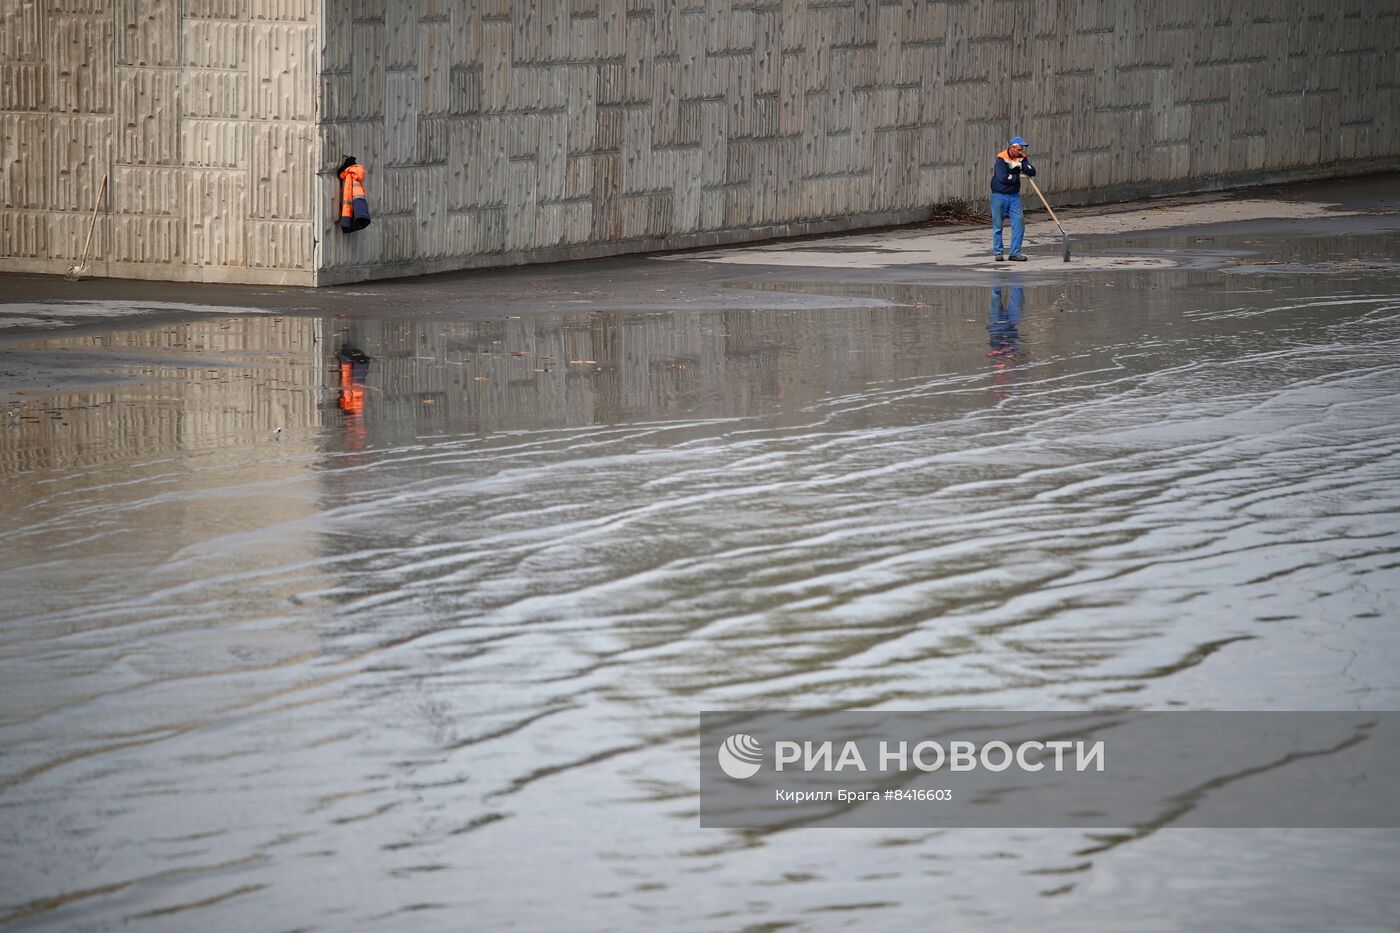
{"x": 1002, "y": 206}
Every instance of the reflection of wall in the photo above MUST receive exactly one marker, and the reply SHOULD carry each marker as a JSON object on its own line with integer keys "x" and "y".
{"x": 613, "y": 367}
{"x": 206, "y": 385}
{"x": 103, "y": 486}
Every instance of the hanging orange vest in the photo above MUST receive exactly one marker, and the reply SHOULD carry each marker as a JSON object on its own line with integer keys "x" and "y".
{"x": 354, "y": 208}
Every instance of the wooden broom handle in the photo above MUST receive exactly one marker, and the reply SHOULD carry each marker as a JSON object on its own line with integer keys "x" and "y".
{"x": 1036, "y": 189}
{"x": 101, "y": 190}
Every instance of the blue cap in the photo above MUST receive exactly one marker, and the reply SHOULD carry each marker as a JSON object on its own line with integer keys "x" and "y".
{"x": 1018, "y": 141}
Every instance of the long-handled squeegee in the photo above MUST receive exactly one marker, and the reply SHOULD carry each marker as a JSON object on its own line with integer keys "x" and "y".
{"x": 1065, "y": 236}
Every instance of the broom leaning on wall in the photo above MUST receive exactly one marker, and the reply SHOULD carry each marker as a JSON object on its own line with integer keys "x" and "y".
{"x": 80, "y": 268}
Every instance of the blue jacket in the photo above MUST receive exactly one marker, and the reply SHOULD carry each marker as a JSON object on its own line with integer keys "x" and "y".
{"x": 1006, "y": 178}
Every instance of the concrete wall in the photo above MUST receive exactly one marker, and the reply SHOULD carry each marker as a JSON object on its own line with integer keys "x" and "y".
{"x": 202, "y": 113}
{"x": 498, "y": 132}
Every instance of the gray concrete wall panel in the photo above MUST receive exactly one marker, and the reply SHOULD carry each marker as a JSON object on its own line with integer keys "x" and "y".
{"x": 497, "y": 132}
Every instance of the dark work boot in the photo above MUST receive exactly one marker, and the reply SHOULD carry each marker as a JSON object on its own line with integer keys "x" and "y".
{"x": 1018, "y": 258}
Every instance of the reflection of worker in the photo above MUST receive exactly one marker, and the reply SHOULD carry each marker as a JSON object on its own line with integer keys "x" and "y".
{"x": 1003, "y": 321}
{"x": 354, "y": 369}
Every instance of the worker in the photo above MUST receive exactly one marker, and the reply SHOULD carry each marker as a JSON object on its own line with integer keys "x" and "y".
{"x": 1011, "y": 164}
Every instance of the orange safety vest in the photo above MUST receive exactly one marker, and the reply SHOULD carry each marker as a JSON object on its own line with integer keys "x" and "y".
{"x": 354, "y": 207}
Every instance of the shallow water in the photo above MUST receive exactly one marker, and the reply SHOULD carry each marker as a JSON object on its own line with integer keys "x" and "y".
{"x": 288, "y": 643}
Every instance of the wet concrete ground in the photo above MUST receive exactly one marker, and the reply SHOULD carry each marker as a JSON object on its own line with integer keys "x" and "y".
{"x": 393, "y": 606}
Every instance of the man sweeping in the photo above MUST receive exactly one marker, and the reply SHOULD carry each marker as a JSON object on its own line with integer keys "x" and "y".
{"x": 1010, "y": 165}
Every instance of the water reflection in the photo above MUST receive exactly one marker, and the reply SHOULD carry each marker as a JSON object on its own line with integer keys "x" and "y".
{"x": 1004, "y": 337}
{"x": 1003, "y": 323}
{"x": 354, "y": 369}
{"x": 446, "y": 634}
{"x": 619, "y": 367}
{"x": 174, "y": 388}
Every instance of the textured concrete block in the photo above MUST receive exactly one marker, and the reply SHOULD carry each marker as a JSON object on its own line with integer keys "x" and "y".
{"x": 399, "y": 237}
{"x": 147, "y": 189}
{"x": 366, "y": 70}
{"x": 67, "y": 232}
{"x": 217, "y": 94}
{"x": 216, "y": 9}
{"x": 276, "y": 244}
{"x": 24, "y": 86}
{"x": 148, "y": 116}
{"x": 282, "y": 172}
{"x": 23, "y": 27}
{"x": 363, "y": 139}
{"x": 216, "y": 44}
{"x": 285, "y": 11}
{"x": 24, "y": 234}
{"x": 435, "y": 71}
{"x": 139, "y": 238}
{"x": 399, "y": 49}
{"x": 80, "y": 54}
{"x": 24, "y": 160}
{"x": 397, "y": 189}
{"x": 284, "y": 61}
{"x": 434, "y": 134}
{"x": 366, "y": 10}
{"x": 147, "y": 33}
{"x": 401, "y": 117}
{"x": 215, "y": 143}
{"x": 487, "y": 230}
{"x": 80, "y": 151}
{"x": 215, "y": 217}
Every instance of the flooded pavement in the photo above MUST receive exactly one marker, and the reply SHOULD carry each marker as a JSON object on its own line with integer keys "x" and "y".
{"x": 315, "y": 622}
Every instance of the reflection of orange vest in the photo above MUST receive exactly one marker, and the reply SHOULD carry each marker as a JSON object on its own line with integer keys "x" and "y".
{"x": 352, "y": 393}
{"x": 354, "y": 207}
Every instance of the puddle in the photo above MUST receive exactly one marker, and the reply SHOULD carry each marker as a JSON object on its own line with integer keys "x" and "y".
{"x": 307, "y": 616}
